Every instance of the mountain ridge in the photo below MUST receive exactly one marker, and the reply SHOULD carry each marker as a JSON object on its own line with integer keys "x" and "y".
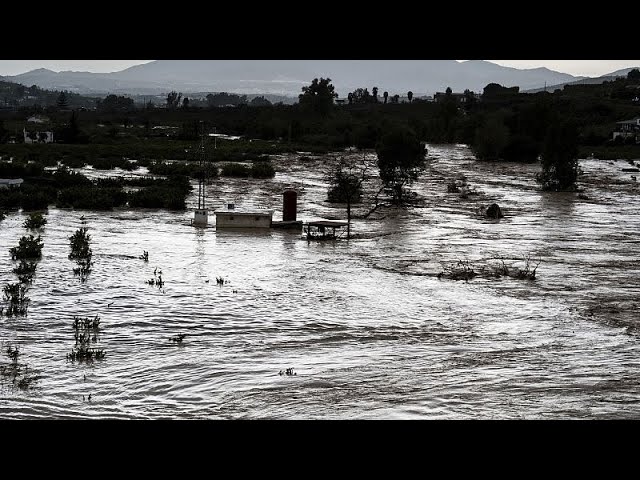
{"x": 287, "y": 77}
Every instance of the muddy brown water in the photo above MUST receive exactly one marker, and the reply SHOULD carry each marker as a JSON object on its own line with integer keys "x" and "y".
{"x": 367, "y": 326}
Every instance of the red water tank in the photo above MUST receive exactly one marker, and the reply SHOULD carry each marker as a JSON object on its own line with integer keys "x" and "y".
{"x": 289, "y": 205}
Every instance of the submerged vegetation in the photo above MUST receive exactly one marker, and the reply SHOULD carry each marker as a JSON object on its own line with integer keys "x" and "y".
{"x": 35, "y": 221}
{"x": 465, "y": 270}
{"x": 86, "y": 332}
{"x": 81, "y": 252}
{"x": 27, "y": 253}
{"x": 21, "y": 375}
{"x": 29, "y": 247}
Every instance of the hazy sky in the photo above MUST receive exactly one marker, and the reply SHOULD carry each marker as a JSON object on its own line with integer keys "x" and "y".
{"x": 589, "y": 68}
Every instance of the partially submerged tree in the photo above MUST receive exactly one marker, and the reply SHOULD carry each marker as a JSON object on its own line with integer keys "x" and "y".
{"x": 400, "y": 160}
{"x": 559, "y": 158}
{"x": 345, "y": 180}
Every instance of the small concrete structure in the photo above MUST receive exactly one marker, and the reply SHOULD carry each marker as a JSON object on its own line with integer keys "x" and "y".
{"x": 232, "y": 218}
{"x": 10, "y": 182}
{"x": 200, "y": 218}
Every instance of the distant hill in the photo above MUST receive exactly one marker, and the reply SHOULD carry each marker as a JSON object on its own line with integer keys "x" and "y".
{"x": 609, "y": 77}
{"x": 13, "y": 95}
{"x": 287, "y": 77}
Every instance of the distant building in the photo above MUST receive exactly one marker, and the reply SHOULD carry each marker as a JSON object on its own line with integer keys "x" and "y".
{"x": 10, "y": 182}
{"x": 38, "y": 119}
{"x": 628, "y": 128}
{"x": 460, "y": 97}
{"x": 37, "y": 137}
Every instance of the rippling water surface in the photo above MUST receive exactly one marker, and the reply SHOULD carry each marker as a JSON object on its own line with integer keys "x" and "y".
{"x": 368, "y": 327}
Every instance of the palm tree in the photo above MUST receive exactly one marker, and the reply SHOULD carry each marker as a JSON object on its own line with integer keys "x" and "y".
{"x": 374, "y": 90}
{"x": 385, "y": 95}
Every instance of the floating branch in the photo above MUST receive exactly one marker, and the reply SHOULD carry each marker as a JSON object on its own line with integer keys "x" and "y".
{"x": 463, "y": 270}
{"x": 178, "y": 338}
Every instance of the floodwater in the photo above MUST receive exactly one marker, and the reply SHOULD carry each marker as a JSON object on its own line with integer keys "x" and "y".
{"x": 367, "y": 326}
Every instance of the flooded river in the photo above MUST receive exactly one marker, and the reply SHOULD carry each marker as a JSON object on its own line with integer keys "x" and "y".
{"x": 367, "y": 326}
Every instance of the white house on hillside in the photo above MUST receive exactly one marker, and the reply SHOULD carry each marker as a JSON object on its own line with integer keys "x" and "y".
{"x": 628, "y": 128}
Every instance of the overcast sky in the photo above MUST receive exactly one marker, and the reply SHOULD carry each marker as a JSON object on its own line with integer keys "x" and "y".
{"x": 589, "y": 68}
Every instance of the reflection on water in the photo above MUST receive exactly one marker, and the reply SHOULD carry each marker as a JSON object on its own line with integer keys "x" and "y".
{"x": 369, "y": 329}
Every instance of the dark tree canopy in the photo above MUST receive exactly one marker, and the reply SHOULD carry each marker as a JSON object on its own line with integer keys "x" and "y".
{"x": 224, "y": 99}
{"x": 633, "y": 74}
{"x": 400, "y": 160}
{"x": 410, "y": 95}
{"x": 493, "y": 90}
{"x": 259, "y": 102}
{"x": 62, "y": 101}
{"x": 318, "y": 97}
{"x": 361, "y": 95}
{"x": 113, "y": 103}
{"x": 490, "y": 139}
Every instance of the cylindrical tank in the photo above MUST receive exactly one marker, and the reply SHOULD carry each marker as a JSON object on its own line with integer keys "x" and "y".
{"x": 289, "y": 205}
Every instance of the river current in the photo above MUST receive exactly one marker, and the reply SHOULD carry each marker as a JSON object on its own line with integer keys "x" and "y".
{"x": 368, "y": 327}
